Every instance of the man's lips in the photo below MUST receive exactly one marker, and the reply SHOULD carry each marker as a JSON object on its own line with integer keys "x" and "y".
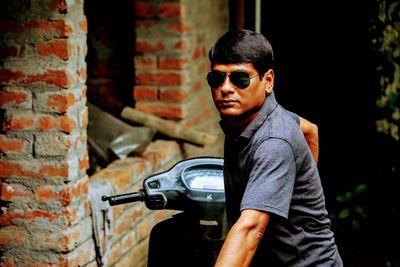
{"x": 227, "y": 102}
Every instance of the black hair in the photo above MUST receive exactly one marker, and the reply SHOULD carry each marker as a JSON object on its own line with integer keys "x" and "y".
{"x": 243, "y": 46}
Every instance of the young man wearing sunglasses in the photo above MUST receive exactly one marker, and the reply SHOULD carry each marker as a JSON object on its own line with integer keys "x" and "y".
{"x": 274, "y": 198}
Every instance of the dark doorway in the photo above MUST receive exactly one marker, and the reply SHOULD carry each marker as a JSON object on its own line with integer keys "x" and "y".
{"x": 111, "y": 47}
{"x": 326, "y": 72}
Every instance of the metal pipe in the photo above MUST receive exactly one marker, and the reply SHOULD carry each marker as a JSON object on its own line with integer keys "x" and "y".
{"x": 257, "y": 16}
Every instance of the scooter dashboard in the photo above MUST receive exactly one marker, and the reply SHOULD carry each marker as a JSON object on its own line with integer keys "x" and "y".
{"x": 189, "y": 183}
{"x": 203, "y": 177}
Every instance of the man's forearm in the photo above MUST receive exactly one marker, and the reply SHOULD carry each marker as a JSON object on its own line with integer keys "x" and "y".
{"x": 237, "y": 250}
{"x": 242, "y": 240}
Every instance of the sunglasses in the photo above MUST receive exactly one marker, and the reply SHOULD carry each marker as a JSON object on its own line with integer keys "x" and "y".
{"x": 239, "y": 79}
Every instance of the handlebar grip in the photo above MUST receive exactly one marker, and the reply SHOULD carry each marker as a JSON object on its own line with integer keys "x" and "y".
{"x": 124, "y": 198}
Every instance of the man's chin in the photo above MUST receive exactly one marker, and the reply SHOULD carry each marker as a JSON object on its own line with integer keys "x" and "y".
{"x": 230, "y": 114}
{"x": 235, "y": 115}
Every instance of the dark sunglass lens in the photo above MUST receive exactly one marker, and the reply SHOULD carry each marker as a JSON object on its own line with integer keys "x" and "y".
{"x": 215, "y": 79}
{"x": 240, "y": 79}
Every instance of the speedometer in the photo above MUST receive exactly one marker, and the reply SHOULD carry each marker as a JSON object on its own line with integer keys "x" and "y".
{"x": 204, "y": 177}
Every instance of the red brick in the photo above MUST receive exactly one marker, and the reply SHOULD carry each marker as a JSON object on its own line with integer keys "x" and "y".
{"x": 181, "y": 45}
{"x": 145, "y": 62}
{"x": 84, "y": 161}
{"x": 15, "y": 98}
{"x": 12, "y": 218}
{"x": 178, "y": 27}
{"x": 199, "y": 52}
{"x": 144, "y": 24}
{"x": 10, "y": 145}
{"x": 13, "y": 191}
{"x": 61, "y": 78}
{"x": 137, "y": 256}
{"x": 200, "y": 85}
{"x": 60, "y": 48}
{"x": 34, "y": 169}
{"x": 114, "y": 253}
{"x": 143, "y": 45}
{"x": 139, "y": 167}
{"x": 9, "y": 261}
{"x": 64, "y": 195}
{"x": 120, "y": 178}
{"x": 129, "y": 241}
{"x": 126, "y": 220}
{"x": 60, "y": 102}
{"x": 144, "y": 10}
{"x": 81, "y": 256}
{"x": 117, "y": 211}
{"x": 82, "y": 74}
{"x": 45, "y": 193}
{"x": 163, "y": 79}
{"x": 145, "y": 93}
{"x": 46, "y": 123}
{"x": 161, "y": 152}
{"x": 84, "y": 120}
{"x": 176, "y": 95}
{"x": 164, "y": 110}
{"x": 173, "y": 63}
{"x": 67, "y": 124}
{"x": 84, "y": 26}
{"x": 206, "y": 115}
{"x": 17, "y": 122}
{"x": 143, "y": 228}
{"x": 11, "y": 234}
{"x": 171, "y": 10}
{"x": 59, "y": 27}
{"x": 65, "y": 216}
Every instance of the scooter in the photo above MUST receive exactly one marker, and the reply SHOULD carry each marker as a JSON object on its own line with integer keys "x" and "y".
{"x": 194, "y": 236}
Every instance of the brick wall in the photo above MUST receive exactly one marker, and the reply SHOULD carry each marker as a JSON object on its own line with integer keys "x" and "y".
{"x": 131, "y": 223}
{"x": 171, "y": 62}
{"x": 45, "y": 217}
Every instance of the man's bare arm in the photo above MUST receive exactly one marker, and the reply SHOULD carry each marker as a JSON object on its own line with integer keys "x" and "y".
{"x": 242, "y": 240}
{"x": 310, "y": 131}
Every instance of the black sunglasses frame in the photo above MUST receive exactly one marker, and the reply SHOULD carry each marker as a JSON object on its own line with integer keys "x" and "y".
{"x": 239, "y": 79}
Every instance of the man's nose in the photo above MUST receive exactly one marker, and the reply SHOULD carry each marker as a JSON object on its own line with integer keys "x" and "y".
{"x": 227, "y": 86}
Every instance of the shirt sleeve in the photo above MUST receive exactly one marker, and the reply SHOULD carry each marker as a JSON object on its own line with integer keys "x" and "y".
{"x": 295, "y": 117}
{"x": 271, "y": 178}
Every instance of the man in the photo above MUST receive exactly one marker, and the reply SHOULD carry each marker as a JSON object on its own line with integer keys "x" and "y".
{"x": 274, "y": 198}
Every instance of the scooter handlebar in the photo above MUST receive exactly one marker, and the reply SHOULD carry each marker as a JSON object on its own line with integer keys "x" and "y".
{"x": 124, "y": 198}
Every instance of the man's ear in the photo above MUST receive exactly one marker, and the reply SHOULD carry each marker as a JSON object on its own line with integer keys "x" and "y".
{"x": 269, "y": 78}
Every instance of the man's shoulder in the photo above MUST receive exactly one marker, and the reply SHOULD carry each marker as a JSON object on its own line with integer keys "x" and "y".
{"x": 281, "y": 123}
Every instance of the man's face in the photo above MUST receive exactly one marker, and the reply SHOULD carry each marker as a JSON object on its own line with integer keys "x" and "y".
{"x": 238, "y": 103}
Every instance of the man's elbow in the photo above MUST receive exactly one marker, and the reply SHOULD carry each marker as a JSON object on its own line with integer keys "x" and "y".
{"x": 254, "y": 223}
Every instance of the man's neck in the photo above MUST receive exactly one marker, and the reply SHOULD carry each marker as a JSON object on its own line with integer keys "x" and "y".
{"x": 239, "y": 124}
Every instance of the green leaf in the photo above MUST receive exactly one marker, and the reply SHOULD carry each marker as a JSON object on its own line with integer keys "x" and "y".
{"x": 356, "y": 224}
{"x": 344, "y": 213}
{"x": 344, "y": 198}
{"x": 380, "y": 103}
{"x": 361, "y": 188}
{"x": 359, "y": 210}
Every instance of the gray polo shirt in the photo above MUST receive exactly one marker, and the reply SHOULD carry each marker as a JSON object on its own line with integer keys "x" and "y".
{"x": 270, "y": 168}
